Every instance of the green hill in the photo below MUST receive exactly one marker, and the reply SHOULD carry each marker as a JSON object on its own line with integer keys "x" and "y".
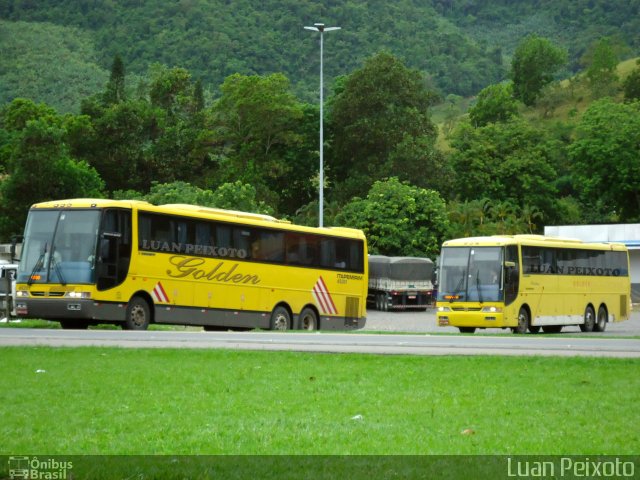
{"x": 461, "y": 45}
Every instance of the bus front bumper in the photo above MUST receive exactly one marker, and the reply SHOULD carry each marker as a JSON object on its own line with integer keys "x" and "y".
{"x": 471, "y": 317}
{"x": 72, "y": 309}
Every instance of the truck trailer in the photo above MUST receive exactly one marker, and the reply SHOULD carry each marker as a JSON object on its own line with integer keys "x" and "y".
{"x": 400, "y": 283}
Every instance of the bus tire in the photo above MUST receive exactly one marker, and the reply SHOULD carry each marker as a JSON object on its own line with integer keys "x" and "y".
{"x": 523, "y": 322}
{"x": 280, "y": 319}
{"x": 308, "y": 319}
{"x": 467, "y": 329}
{"x": 138, "y": 314}
{"x": 589, "y": 320}
{"x": 601, "y": 321}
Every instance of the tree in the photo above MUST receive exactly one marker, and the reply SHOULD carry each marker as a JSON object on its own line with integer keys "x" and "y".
{"x": 631, "y": 85}
{"x": 121, "y": 146}
{"x": 256, "y": 122}
{"x": 601, "y": 69}
{"x": 398, "y": 219}
{"x": 171, "y": 89}
{"x": 239, "y": 196}
{"x": 534, "y": 62}
{"x": 495, "y": 103}
{"x": 508, "y": 161}
{"x": 378, "y": 107}
{"x": 231, "y": 196}
{"x": 114, "y": 91}
{"x": 418, "y": 161}
{"x": 605, "y": 159}
{"x": 39, "y": 166}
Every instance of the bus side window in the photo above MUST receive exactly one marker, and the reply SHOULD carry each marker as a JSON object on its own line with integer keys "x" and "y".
{"x": 292, "y": 248}
{"x": 328, "y": 253}
{"x": 242, "y": 241}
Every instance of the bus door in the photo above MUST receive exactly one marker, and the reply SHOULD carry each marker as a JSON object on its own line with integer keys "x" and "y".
{"x": 114, "y": 248}
{"x": 511, "y": 283}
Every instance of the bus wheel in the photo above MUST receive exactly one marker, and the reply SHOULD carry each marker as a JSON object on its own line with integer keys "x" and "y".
{"x": 280, "y": 319}
{"x": 601, "y": 323}
{"x": 589, "y": 320}
{"x": 138, "y": 315}
{"x": 467, "y": 329}
{"x": 67, "y": 324}
{"x": 533, "y": 329}
{"x": 523, "y": 321}
{"x": 308, "y": 319}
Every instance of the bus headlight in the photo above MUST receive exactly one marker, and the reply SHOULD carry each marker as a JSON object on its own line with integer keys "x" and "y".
{"x": 22, "y": 294}
{"x": 491, "y": 309}
{"x": 444, "y": 309}
{"x": 78, "y": 294}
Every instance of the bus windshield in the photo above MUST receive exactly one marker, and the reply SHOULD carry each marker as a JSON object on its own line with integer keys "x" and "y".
{"x": 59, "y": 247}
{"x": 472, "y": 274}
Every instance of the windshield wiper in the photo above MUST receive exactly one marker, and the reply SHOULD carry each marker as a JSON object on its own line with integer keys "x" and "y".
{"x": 456, "y": 290}
{"x": 38, "y": 265}
{"x": 478, "y": 285}
{"x": 56, "y": 266}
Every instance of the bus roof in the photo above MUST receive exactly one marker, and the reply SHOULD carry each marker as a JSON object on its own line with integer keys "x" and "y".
{"x": 196, "y": 211}
{"x": 531, "y": 240}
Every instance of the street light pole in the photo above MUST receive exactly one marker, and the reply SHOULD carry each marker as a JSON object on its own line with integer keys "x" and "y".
{"x": 319, "y": 27}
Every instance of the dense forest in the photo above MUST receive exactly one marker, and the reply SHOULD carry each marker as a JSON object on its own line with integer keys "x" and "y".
{"x": 442, "y": 118}
{"x": 57, "y": 51}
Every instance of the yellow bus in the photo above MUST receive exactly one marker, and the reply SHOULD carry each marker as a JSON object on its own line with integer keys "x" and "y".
{"x": 529, "y": 282}
{"x": 89, "y": 261}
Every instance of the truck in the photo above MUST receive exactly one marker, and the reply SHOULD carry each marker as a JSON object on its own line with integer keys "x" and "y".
{"x": 8, "y": 273}
{"x": 400, "y": 283}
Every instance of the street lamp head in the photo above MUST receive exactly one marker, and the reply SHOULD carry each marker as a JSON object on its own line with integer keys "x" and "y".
{"x": 319, "y": 27}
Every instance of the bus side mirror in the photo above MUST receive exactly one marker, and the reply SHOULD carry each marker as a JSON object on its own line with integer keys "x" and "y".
{"x": 509, "y": 270}
{"x": 15, "y": 239}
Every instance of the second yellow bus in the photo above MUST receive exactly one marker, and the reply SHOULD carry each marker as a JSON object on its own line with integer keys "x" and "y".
{"x": 532, "y": 282}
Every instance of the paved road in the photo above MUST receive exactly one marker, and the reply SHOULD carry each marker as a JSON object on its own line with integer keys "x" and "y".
{"x": 414, "y": 344}
{"x": 425, "y": 322}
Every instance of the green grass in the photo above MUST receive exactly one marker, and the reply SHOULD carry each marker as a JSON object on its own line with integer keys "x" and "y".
{"x": 67, "y": 401}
